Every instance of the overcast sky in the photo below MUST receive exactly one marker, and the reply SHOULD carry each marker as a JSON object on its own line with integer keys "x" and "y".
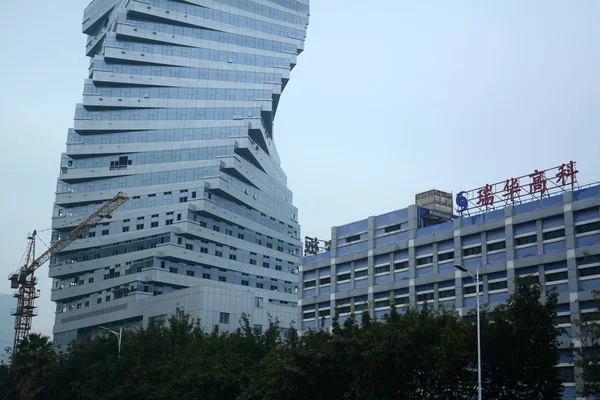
{"x": 390, "y": 98}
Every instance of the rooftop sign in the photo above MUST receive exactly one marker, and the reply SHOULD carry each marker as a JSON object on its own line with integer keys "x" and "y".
{"x": 537, "y": 185}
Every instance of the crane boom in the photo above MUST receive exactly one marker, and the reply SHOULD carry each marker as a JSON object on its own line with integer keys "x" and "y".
{"x": 24, "y": 279}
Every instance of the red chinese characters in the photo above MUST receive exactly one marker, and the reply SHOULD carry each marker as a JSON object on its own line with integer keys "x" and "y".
{"x": 485, "y": 196}
{"x": 566, "y": 172}
{"x": 512, "y": 189}
{"x": 538, "y": 182}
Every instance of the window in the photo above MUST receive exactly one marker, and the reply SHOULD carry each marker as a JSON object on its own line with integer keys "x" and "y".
{"x": 190, "y": 273}
{"x": 169, "y": 222}
{"x": 567, "y": 374}
{"x": 425, "y": 297}
{"x": 104, "y": 232}
{"x": 222, "y": 279}
{"x": 472, "y": 251}
{"x": 274, "y": 288}
{"x": 352, "y": 238}
{"x": 259, "y": 285}
{"x": 343, "y": 277}
{"x": 446, "y": 256}
{"x": 525, "y": 240}
{"x": 425, "y": 260}
{"x": 204, "y": 250}
{"x": 107, "y": 298}
{"x": 325, "y": 281}
{"x": 562, "y": 319}
{"x": 173, "y": 270}
{"x": 393, "y": 228}
{"x": 265, "y": 265}
{"x": 559, "y": 233}
{"x": 125, "y": 229}
{"x": 232, "y": 257}
{"x": 383, "y": 269}
{"x": 473, "y": 289}
{"x": 497, "y": 285}
{"x": 224, "y": 318}
{"x": 594, "y": 226}
{"x": 218, "y": 253}
{"x": 446, "y": 293}
{"x": 99, "y": 300}
{"x": 154, "y": 224}
{"x": 258, "y": 302}
{"x": 382, "y": 303}
{"x": 360, "y": 274}
{"x": 139, "y": 226}
{"x": 203, "y": 224}
{"x": 589, "y": 271}
{"x": 91, "y": 280}
{"x": 86, "y": 304}
{"x": 253, "y": 262}
{"x": 257, "y": 329}
{"x": 216, "y": 228}
{"x": 310, "y": 284}
{"x": 205, "y": 275}
{"x": 401, "y": 265}
{"x": 245, "y": 283}
{"x": 240, "y": 236}
{"x": 496, "y": 246}
{"x": 558, "y": 276}
{"x": 189, "y": 246}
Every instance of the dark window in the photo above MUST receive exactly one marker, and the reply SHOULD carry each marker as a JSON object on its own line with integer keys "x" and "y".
{"x": 559, "y": 233}
{"x": 567, "y": 374}
{"x": 245, "y": 283}
{"x": 497, "y": 285}
{"x": 240, "y": 236}
{"x": 139, "y": 226}
{"x": 425, "y": 297}
{"x": 382, "y": 303}
{"x": 562, "y": 319}
{"x": 222, "y": 279}
{"x": 232, "y": 257}
{"x": 352, "y": 238}
{"x": 218, "y": 253}
{"x": 253, "y": 262}
{"x": 99, "y": 300}
{"x": 401, "y": 265}
{"x": 169, "y": 222}
{"x": 265, "y": 264}
{"x": 173, "y": 270}
{"x": 308, "y": 315}
{"x": 125, "y": 229}
{"x": 446, "y": 256}
{"x": 310, "y": 284}
{"x": 557, "y": 276}
{"x": 343, "y": 277}
{"x": 259, "y": 285}
{"x": 190, "y": 273}
{"x": 473, "y": 289}
{"x": 204, "y": 250}
{"x": 496, "y": 246}
{"x": 224, "y": 318}
{"x": 91, "y": 280}
{"x": 325, "y": 281}
{"x": 525, "y": 240}
{"x": 393, "y": 228}
{"x": 589, "y": 271}
{"x": 425, "y": 260}
{"x": 446, "y": 293}
{"x": 472, "y": 251}
{"x": 343, "y": 310}
{"x": 593, "y": 226}
{"x": 380, "y": 270}
{"x": 216, "y": 228}
{"x": 154, "y": 224}
{"x": 364, "y": 272}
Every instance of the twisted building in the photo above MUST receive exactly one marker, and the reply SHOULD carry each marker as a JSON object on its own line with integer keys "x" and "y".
{"x": 178, "y": 113}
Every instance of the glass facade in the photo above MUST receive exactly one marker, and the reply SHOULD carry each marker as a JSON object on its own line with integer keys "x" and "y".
{"x": 178, "y": 112}
{"x": 556, "y": 241}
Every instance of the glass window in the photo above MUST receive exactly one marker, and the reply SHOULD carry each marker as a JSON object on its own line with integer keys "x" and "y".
{"x": 472, "y": 251}
{"x": 496, "y": 246}
{"x": 525, "y": 240}
{"x": 594, "y": 226}
{"x": 559, "y": 233}
{"x": 258, "y": 302}
{"x": 224, "y": 318}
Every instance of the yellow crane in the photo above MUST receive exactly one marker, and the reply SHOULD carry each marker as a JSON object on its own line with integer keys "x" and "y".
{"x": 24, "y": 280}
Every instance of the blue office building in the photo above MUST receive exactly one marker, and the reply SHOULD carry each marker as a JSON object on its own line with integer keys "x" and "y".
{"x": 409, "y": 255}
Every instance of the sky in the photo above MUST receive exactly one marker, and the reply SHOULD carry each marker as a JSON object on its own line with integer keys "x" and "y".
{"x": 390, "y": 98}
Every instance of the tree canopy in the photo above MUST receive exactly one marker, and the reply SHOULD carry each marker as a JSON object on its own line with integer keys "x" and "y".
{"x": 409, "y": 354}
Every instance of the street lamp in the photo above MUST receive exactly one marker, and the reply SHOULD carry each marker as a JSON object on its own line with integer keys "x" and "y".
{"x": 119, "y": 336}
{"x": 476, "y": 279}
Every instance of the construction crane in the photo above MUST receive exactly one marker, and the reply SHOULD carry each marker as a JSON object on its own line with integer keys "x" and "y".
{"x": 24, "y": 280}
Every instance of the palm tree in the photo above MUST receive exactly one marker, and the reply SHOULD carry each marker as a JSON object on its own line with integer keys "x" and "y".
{"x": 31, "y": 357}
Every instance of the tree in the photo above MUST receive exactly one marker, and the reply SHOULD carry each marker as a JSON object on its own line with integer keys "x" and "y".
{"x": 31, "y": 359}
{"x": 587, "y": 355}
{"x": 520, "y": 346}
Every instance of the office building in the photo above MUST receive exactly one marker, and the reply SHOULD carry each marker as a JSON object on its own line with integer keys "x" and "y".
{"x": 178, "y": 112}
{"x": 409, "y": 255}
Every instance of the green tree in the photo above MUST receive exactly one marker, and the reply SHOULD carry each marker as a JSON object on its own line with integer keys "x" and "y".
{"x": 587, "y": 356}
{"x": 30, "y": 362}
{"x": 520, "y": 345}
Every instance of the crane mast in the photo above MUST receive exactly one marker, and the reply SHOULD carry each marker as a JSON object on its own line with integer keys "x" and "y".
{"x": 24, "y": 280}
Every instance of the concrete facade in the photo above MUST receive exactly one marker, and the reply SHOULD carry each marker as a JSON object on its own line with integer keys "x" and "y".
{"x": 178, "y": 113}
{"x": 394, "y": 256}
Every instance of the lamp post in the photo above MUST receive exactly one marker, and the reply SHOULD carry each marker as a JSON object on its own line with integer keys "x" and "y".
{"x": 119, "y": 336}
{"x": 476, "y": 279}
